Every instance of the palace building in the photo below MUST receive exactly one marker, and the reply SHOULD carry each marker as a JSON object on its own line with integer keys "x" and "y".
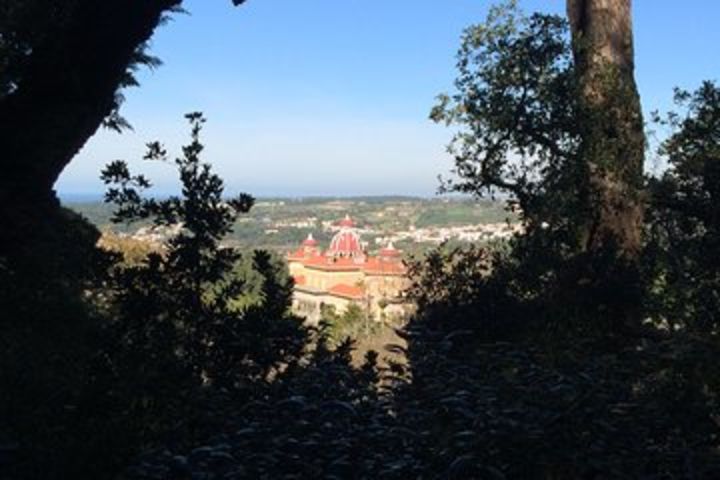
{"x": 345, "y": 274}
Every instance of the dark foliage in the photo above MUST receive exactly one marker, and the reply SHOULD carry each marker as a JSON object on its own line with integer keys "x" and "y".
{"x": 135, "y": 355}
{"x": 523, "y": 128}
{"x": 320, "y": 420}
{"x": 174, "y": 328}
{"x": 458, "y": 291}
{"x": 684, "y": 220}
{"x": 63, "y": 65}
{"x": 46, "y": 335}
{"x": 517, "y": 107}
{"x": 515, "y": 410}
{"x": 522, "y": 365}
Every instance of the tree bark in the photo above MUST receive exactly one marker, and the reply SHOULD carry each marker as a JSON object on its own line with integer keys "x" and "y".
{"x": 67, "y": 90}
{"x": 613, "y": 138}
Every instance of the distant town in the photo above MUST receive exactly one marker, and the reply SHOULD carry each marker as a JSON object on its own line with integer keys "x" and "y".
{"x": 412, "y": 224}
{"x": 341, "y": 253}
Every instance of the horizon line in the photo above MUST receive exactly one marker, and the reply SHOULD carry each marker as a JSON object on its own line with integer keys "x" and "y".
{"x": 81, "y": 197}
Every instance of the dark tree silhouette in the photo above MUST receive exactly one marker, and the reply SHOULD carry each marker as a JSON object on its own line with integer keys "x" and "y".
{"x": 65, "y": 63}
{"x": 544, "y": 118}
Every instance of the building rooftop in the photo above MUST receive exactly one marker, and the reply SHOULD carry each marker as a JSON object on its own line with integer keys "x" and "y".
{"x": 347, "y": 291}
{"x": 346, "y": 253}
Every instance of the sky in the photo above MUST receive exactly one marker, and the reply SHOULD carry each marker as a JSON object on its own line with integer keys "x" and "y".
{"x": 331, "y": 97}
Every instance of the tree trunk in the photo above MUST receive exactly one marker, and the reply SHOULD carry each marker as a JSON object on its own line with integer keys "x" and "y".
{"x": 613, "y": 138}
{"x": 66, "y": 91}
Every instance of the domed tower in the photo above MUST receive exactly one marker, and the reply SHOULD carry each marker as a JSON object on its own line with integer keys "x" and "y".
{"x": 309, "y": 246}
{"x": 346, "y": 222}
{"x": 346, "y": 242}
{"x": 389, "y": 254}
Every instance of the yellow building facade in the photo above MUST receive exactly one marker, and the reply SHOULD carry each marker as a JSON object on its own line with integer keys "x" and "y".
{"x": 345, "y": 274}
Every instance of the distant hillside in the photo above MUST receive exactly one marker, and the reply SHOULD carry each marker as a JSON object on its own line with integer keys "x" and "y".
{"x": 282, "y": 223}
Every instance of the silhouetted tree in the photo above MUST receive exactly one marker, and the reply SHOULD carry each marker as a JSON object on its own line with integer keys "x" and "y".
{"x": 63, "y": 65}
{"x": 174, "y": 353}
{"x": 527, "y": 128}
{"x": 184, "y": 293}
{"x": 684, "y": 220}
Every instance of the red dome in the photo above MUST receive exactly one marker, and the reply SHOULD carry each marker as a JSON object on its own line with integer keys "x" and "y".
{"x": 389, "y": 251}
{"x": 345, "y": 243}
{"x": 347, "y": 222}
{"x": 309, "y": 241}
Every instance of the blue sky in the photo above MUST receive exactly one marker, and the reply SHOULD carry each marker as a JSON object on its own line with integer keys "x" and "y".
{"x": 331, "y": 97}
